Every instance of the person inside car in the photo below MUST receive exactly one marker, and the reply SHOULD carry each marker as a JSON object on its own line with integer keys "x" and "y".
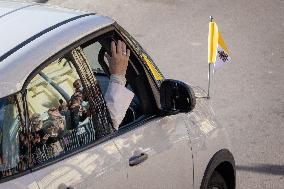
{"x": 118, "y": 97}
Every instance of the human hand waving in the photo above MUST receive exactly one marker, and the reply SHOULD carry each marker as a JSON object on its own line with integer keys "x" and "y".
{"x": 118, "y": 61}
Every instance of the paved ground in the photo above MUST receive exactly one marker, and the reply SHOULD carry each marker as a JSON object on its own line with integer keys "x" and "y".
{"x": 247, "y": 95}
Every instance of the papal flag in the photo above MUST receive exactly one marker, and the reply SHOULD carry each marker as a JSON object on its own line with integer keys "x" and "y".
{"x": 218, "y": 53}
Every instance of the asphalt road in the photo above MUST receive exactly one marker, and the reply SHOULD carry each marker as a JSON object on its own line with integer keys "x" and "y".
{"x": 247, "y": 95}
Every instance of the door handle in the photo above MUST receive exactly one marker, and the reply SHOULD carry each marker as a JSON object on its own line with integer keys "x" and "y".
{"x": 64, "y": 186}
{"x": 136, "y": 159}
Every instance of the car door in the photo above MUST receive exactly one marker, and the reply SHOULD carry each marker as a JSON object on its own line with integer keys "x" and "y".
{"x": 65, "y": 111}
{"x": 161, "y": 142}
{"x": 158, "y": 154}
{"x": 96, "y": 167}
{"x": 156, "y": 149}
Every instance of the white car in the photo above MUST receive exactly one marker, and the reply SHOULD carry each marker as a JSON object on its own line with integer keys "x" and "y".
{"x": 54, "y": 136}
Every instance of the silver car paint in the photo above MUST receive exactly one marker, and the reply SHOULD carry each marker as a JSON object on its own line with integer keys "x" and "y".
{"x": 169, "y": 164}
{"x": 206, "y": 134}
{"x": 16, "y": 68}
{"x": 97, "y": 167}
{"x": 23, "y": 182}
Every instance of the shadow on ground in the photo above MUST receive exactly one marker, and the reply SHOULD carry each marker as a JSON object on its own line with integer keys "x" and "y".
{"x": 263, "y": 168}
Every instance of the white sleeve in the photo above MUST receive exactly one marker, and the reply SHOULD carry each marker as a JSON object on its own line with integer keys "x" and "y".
{"x": 118, "y": 99}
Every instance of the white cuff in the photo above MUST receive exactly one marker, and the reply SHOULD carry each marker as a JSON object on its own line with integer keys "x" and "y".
{"x": 118, "y": 99}
{"x": 119, "y": 79}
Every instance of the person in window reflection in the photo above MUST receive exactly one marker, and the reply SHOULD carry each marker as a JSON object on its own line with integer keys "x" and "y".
{"x": 118, "y": 97}
{"x": 24, "y": 149}
{"x": 55, "y": 124}
{"x": 78, "y": 86}
{"x": 62, "y": 106}
{"x": 56, "y": 129}
{"x": 38, "y": 134}
{"x": 38, "y": 137}
{"x": 78, "y": 111}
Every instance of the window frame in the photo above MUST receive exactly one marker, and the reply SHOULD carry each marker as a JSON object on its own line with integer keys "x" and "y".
{"x": 51, "y": 59}
{"x": 155, "y": 90}
{"x": 149, "y": 82}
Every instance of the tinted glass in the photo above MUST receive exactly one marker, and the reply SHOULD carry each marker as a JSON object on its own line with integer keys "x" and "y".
{"x": 92, "y": 54}
{"x": 58, "y": 112}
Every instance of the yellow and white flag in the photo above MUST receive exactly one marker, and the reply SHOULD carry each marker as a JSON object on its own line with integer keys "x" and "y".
{"x": 218, "y": 53}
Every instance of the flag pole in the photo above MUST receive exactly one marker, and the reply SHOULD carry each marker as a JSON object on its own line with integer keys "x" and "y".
{"x": 210, "y": 70}
{"x": 209, "y": 81}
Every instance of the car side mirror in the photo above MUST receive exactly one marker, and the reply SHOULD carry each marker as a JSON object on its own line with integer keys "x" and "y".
{"x": 176, "y": 97}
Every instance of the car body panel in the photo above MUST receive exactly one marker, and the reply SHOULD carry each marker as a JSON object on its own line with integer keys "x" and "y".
{"x": 97, "y": 167}
{"x": 206, "y": 134}
{"x": 40, "y": 49}
{"x": 166, "y": 142}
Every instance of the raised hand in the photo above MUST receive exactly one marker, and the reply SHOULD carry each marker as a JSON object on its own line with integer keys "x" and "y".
{"x": 119, "y": 58}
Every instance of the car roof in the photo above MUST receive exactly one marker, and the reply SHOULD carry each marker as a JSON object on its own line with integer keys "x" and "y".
{"x": 42, "y": 30}
{"x": 19, "y": 21}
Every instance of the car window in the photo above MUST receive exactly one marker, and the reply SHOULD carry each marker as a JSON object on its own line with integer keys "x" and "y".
{"x": 14, "y": 151}
{"x": 95, "y": 55}
{"x": 92, "y": 53}
{"x": 142, "y": 103}
{"x": 59, "y": 112}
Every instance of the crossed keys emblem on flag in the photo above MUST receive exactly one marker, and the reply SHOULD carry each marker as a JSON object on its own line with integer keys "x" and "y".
{"x": 223, "y": 56}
